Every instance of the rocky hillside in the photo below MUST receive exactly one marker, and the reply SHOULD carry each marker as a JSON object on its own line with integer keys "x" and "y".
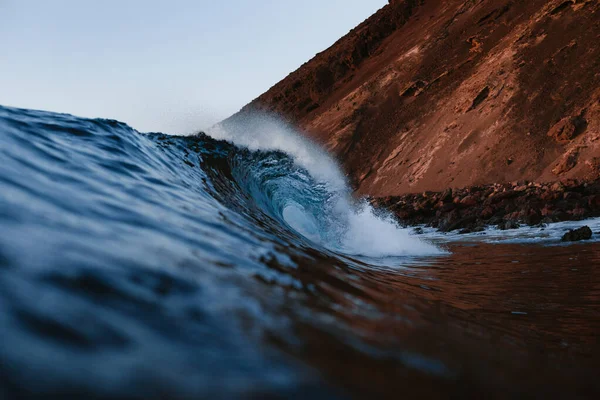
{"x": 432, "y": 94}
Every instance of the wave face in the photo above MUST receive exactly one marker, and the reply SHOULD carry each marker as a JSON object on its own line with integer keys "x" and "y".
{"x": 148, "y": 263}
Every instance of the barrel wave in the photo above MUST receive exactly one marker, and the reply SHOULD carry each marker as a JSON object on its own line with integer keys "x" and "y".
{"x": 124, "y": 255}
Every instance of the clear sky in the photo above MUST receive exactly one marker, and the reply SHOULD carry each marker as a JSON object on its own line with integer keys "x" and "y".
{"x": 173, "y": 66}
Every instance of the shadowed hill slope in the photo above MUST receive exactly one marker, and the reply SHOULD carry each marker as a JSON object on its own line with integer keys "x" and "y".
{"x": 431, "y": 94}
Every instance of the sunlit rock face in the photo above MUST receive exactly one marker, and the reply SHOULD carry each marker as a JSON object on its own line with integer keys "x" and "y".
{"x": 431, "y": 94}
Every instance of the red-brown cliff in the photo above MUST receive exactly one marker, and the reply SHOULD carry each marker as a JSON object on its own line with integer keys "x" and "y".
{"x": 431, "y": 94}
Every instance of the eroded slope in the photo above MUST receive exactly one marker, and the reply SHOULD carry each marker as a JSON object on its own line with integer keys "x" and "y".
{"x": 430, "y": 94}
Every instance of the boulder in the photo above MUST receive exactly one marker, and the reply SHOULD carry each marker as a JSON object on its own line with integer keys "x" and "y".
{"x": 469, "y": 201}
{"x": 583, "y": 233}
{"x": 487, "y": 213}
{"x": 567, "y": 129}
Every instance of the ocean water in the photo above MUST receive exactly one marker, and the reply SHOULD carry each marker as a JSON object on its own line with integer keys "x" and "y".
{"x": 236, "y": 264}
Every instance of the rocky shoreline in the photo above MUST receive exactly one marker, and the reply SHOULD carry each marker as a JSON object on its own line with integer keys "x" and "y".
{"x": 507, "y": 206}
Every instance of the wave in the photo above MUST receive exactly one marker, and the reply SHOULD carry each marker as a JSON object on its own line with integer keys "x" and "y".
{"x": 111, "y": 238}
{"x": 303, "y": 187}
{"x": 238, "y": 264}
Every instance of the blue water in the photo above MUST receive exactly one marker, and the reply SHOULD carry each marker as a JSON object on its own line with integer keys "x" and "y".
{"x": 143, "y": 265}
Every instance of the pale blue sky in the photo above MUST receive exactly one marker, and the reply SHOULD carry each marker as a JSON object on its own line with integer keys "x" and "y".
{"x": 173, "y": 66}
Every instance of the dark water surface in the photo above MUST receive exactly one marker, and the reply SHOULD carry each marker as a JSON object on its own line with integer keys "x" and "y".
{"x": 150, "y": 266}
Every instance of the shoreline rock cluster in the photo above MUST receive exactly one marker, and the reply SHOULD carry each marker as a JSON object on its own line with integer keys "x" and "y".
{"x": 507, "y": 206}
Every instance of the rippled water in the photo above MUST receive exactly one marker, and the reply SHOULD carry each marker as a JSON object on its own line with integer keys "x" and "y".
{"x": 151, "y": 266}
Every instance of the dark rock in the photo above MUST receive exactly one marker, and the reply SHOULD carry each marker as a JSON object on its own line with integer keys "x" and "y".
{"x": 579, "y": 213}
{"x": 448, "y": 207}
{"x": 583, "y": 233}
{"x": 469, "y": 201}
{"x": 507, "y": 225}
{"x": 487, "y": 213}
{"x": 446, "y": 197}
{"x": 495, "y": 220}
{"x": 534, "y": 218}
{"x": 594, "y": 201}
{"x": 496, "y": 198}
{"x": 460, "y": 223}
{"x": 475, "y": 229}
{"x": 571, "y": 196}
{"x": 560, "y": 215}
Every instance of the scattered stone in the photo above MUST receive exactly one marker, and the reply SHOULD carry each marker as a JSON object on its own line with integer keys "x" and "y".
{"x": 583, "y": 233}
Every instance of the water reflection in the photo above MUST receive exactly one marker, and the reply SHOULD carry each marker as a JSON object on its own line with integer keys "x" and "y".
{"x": 498, "y": 320}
